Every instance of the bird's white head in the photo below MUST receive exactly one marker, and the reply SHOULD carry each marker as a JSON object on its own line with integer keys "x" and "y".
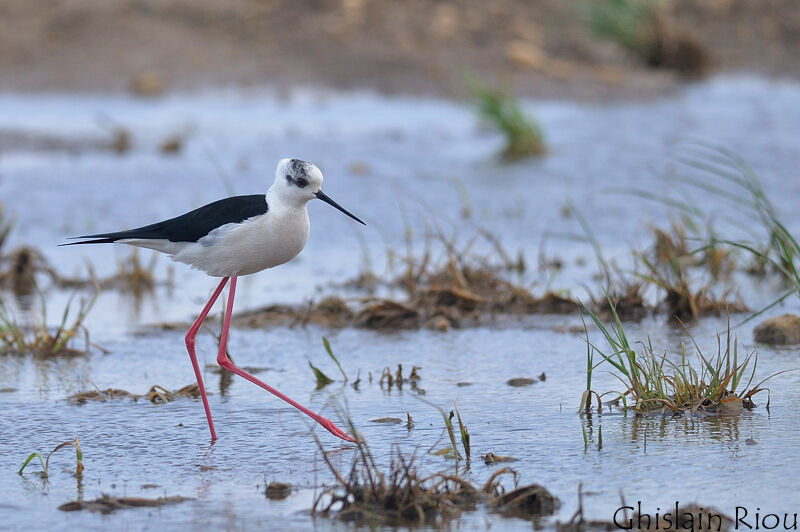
{"x": 297, "y": 182}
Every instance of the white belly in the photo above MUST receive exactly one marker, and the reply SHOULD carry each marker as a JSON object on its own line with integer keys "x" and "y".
{"x": 256, "y": 244}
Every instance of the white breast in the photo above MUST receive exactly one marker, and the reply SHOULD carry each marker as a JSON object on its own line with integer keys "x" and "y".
{"x": 253, "y": 245}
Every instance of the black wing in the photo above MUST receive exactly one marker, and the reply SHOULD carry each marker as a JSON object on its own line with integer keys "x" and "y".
{"x": 193, "y": 225}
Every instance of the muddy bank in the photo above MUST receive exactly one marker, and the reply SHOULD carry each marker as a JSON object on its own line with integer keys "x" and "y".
{"x": 544, "y": 48}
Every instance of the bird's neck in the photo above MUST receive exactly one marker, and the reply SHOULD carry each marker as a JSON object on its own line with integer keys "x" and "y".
{"x": 279, "y": 202}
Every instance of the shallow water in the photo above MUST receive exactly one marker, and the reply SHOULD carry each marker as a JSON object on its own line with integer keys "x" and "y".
{"x": 427, "y": 160}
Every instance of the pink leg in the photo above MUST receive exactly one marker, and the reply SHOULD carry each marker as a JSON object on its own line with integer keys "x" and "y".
{"x": 225, "y": 362}
{"x": 190, "y": 337}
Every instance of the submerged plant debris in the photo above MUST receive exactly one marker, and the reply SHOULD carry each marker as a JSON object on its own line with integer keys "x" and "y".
{"x": 108, "y": 504}
{"x": 387, "y": 420}
{"x": 278, "y": 490}
{"x": 156, "y": 394}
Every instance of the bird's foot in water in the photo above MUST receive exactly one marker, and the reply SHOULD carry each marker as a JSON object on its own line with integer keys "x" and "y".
{"x": 333, "y": 429}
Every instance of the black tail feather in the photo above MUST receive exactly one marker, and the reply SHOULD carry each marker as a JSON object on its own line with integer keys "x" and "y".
{"x": 94, "y": 241}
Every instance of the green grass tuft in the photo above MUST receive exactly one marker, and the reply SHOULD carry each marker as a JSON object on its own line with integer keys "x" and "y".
{"x": 655, "y": 382}
{"x": 45, "y": 462}
{"x": 464, "y": 432}
{"x": 524, "y": 136}
{"x": 322, "y": 379}
{"x": 328, "y": 349}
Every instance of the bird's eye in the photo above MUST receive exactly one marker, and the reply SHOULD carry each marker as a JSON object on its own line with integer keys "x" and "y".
{"x": 301, "y": 182}
{"x": 289, "y": 178}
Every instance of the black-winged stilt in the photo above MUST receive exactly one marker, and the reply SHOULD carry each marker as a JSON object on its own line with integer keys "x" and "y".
{"x": 232, "y": 237}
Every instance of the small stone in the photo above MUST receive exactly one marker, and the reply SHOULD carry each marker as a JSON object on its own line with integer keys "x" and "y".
{"x": 781, "y": 330}
{"x": 731, "y": 405}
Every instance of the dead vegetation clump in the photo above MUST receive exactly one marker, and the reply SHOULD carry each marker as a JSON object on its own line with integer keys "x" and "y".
{"x": 523, "y": 502}
{"x": 156, "y": 394}
{"x": 464, "y": 291}
{"x": 457, "y": 295}
{"x": 627, "y": 299}
{"x": 403, "y": 497}
{"x": 681, "y": 303}
{"x": 388, "y": 315}
{"x": 668, "y": 265}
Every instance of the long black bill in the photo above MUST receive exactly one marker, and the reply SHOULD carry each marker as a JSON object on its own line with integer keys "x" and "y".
{"x": 321, "y": 195}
